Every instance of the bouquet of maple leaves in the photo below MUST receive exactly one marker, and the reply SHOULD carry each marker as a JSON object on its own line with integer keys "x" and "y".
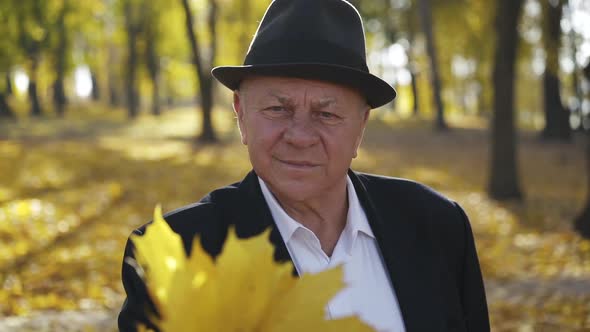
{"x": 243, "y": 290}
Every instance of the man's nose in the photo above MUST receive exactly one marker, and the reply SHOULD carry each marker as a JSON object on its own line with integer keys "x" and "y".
{"x": 301, "y": 133}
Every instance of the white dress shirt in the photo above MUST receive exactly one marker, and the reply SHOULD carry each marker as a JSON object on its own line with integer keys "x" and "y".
{"x": 368, "y": 294}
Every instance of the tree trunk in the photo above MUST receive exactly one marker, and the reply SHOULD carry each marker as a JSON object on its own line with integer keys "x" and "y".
{"x": 415, "y": 107}
{"x": 208, "y": 134}
{"x": 114, "y": 98}
{"x": 9, "y": 89}
{"x": 113, "y": 78}
{"x": 576, "y": 89}
{"x": 59, "y": 93}
{"x": 504, "y": 182}
{"x": 411, "y": 63}
{"x": 95, "y": 86}
{"x": 582, "y": 222}
{"x": 59, "y": 96}
{"x": 5, "y": 109}
{"x": 205, "y": 80}
{"x": 131, "y": 79}
{"x": 579, "y": 97}
{"x": 34, "y": 98}
{"x": 426, "y": 20}
{"x": 557, "y": 126}
{"x": 113, "y": 83}
{"x": 153, "y": 66}
{"x": 156, "y": 108}
{"x": 33, "y": 95}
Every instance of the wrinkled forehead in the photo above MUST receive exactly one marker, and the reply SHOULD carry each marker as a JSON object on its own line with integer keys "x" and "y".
{"x": 290, "y": 88}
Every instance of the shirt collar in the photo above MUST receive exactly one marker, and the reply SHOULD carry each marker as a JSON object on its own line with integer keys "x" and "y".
{"x": 356, "y": 219}
{"x": 286, "y": 225}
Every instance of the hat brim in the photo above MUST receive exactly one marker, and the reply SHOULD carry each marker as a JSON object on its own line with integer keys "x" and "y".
{"x": 377, "y": 91}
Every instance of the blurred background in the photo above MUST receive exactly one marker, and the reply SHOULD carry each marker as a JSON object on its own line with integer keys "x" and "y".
{"x": 107, "y": 108}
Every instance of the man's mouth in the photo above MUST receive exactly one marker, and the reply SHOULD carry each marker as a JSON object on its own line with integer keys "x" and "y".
{"x": 298, "y": 163}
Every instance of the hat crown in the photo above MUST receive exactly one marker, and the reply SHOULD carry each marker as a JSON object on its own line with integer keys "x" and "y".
{"x": 310, "y": 31}
{"x": 314, "y": 40}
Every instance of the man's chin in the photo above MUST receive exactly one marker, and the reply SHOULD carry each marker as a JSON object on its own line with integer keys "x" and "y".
{"x": 295, "y": 190}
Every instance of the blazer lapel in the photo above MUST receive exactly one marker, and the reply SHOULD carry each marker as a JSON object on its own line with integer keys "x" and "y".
{"x": 252, "y": 217}
{"x": 407, "y": 260}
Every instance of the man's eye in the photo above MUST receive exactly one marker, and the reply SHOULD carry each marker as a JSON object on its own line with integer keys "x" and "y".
{"x": 327, "y": 116}
{"x": 275, "y": 112}
{"x": 275, "y": 108}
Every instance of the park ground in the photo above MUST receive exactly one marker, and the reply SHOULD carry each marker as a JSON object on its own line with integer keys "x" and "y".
{"x": 72, "y": 189}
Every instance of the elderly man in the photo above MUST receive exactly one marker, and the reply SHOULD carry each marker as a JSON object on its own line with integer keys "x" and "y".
{"x": 302, "y": 100}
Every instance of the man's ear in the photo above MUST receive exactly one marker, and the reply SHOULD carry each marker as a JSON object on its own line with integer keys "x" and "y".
{"x": 239, "y": 111}
{"x": 359, "y": 140}
{"x": 366, "y": 116}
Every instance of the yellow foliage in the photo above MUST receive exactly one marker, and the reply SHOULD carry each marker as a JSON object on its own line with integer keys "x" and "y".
{"x": 63, "y": 227}
{"x": 195, "y": 294}
{"x": 29, "y": 224}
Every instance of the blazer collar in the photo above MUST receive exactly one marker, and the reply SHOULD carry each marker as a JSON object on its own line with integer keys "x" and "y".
{"x": 253, "y": 216}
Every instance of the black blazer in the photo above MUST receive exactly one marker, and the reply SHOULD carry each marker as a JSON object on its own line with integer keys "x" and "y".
{"x": 425, "y": 239}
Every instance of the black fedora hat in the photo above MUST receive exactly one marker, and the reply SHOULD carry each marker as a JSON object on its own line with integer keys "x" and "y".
{"x": 310, "y": 39}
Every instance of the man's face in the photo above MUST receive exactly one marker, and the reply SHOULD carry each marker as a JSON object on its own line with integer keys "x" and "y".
{"x": 301, "y": 135}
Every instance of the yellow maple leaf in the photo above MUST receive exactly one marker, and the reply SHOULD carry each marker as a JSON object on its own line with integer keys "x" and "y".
{"x": 244, "y": 290}
{"x": 160, "y": 252}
